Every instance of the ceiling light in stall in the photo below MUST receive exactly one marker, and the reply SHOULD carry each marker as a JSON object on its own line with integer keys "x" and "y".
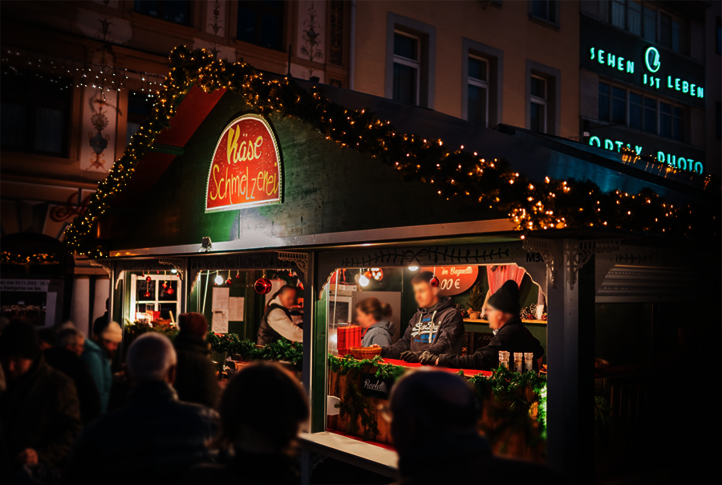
{"x": 174, "y": 271}
{"x": 219, "y": 279}
{"x": 363, "y": 280}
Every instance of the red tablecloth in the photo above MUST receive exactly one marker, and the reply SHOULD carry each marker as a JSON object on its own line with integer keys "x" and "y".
{"x": 467, "y": 372}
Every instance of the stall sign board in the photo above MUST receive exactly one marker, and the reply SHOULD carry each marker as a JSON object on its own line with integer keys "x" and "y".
{"x": 372, "y": 386}
{"x": 245, "y": 169}
{"x": 454, "y": 280}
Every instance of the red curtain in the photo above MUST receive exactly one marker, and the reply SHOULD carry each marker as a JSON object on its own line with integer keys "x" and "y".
{"x": 498, "y": 275}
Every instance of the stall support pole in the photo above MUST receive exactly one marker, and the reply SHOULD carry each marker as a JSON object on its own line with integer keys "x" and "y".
{"x": 570, "y": 386}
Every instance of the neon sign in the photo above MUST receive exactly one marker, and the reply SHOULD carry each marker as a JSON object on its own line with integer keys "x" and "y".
{"x": 653, "y": 63}
{"x": 673, "y": 160}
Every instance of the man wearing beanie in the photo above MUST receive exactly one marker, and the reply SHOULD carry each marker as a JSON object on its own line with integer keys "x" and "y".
{"x": 196, "y": 380}
{"x": 510, "y": 335}
{"x": 39, "y": 410}
{"x": 97, "y": 356}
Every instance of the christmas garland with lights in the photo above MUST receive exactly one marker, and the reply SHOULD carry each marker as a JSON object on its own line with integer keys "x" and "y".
{"x": 454, "y": 172}
{"x": 20, "y": 259}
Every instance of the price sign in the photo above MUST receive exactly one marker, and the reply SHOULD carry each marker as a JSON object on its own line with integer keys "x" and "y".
{"x": 454, "y": 280}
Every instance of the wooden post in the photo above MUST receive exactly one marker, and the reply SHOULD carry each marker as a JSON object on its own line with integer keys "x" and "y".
{"x": 570, "y": 381}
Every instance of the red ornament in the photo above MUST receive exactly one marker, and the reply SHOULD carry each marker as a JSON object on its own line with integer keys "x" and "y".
{"x": 229, "y": 281}
{"x": 377, "y": 273}
{"x": 165, "y": 284}
{"x": 147, "y": 294}
{"x": 262, "y": 286}
{"x": 170, "y": 291}
{"x": 368, "y": 275}
{"x": 434, "y": 282}
{"x": 148, "y": 279}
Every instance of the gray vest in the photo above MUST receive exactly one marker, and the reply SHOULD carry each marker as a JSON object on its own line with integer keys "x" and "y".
{"x": 266, "y": 333}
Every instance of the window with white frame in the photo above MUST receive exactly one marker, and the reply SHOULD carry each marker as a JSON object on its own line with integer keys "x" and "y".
{"x": 407, "y": 67}
{"x": 478, "y": 91}
{"x": 161, "y": 294}
{"x": 538, "y": 107}
{"x": 545, "y": 9}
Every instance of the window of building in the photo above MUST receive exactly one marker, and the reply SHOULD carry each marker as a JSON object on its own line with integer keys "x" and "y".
{"x": 619, "y": 106}
{"x": 407, "y": 67}
{"x": 35, "y": 114}
{"x": 177, "y": 11}
{"x": 634, "y": 18}
{"x": 619, "y": 8}
{"x": 650, "y": 24}
{"x": 545, "y": 10}
{"x": 147, "y": 296}
{"x": 478, "y": 91}
{"x": 261, "y": 23}
{"x": 140, "y": 107}
{"x": 538, "y": 107}
{"x": 650, "y": 115}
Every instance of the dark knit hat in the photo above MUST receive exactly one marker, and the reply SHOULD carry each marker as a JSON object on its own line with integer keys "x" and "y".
{"x": 193, "y": 323}
{"x": 19, "y": 338}
{"x": 506, "y": 299}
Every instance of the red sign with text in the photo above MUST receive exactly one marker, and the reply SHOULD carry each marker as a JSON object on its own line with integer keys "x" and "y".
{"x": 246, "y": 167}
{"x": 454, "y": 280}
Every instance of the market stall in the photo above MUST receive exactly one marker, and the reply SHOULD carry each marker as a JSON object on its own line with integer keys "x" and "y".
{"x": 249, "y": 173}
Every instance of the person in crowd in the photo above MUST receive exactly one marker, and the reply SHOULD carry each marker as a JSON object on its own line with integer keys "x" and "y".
{"x": 261, "y": 430}
{"x": 510, "y": 335}
{"x": 98, "y": 353}
{"x": 156, "y": 438}
{"x": 277, "y": 321}
{"x": 65, "y": 357}
{"x": 39, "y": 411}
{"x": 196, "y": 378}
{"x": 437, "y": 412}
{"x": 437, "y": 325}
{"x": 373, "y": 317}
{"x": 46, "y": 338}
{"x": 102, "y": 321}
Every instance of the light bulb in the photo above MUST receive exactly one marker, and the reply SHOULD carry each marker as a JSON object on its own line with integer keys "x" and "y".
{"x": 363, "y": 281}
{"x": 219, "y": 279}
{"x": 413, "y": 268}
{"x": 174, "y": 271}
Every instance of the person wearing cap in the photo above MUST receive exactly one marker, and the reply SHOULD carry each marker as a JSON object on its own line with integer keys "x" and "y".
{"x": 39, "y": 411}
{"x": 510, "y": 335}
{"x": 196, "y": 380}
{"x": 98, "y": 354}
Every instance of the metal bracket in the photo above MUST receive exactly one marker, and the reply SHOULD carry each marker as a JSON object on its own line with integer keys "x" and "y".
{"x": 578, "y": 253}
{"x": 104, "y": 265}
{"x": 549, "y": 250}
{"x": 299, "y": 259}
{"x": 177, "y": 263}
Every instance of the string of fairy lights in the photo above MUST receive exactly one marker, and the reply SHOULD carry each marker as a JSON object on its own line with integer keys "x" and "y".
{"x": 455, "y": 173}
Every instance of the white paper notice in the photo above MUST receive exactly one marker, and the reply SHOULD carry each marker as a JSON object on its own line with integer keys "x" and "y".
{"x": 236, "y": 309}
{"x": 220, "y": 321}
{"x": 220, "y": 298}
{"x": 50, "y": 300}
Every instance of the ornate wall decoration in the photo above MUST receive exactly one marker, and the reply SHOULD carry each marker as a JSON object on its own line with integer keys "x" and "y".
{"x": 336, "y": 47}
{"x": 216, "y": 15}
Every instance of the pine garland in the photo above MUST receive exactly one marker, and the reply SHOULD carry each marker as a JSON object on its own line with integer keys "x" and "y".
{"x": 454, "y": 172}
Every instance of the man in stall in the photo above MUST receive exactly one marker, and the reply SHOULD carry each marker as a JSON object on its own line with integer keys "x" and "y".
{"x": 436, "y": 327}
{"x": 510, "y": 335}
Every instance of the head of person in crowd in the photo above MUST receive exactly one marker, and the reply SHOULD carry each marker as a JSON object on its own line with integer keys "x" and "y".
{"x": 503, "y": 305}
{"x": 370, "y": 311}
{"x": 426, "y": 405}
{"x": 19, "y": 348}
{"x": 285, "y": 296}
{"x": 110, "y": 337}
{"x": 425, "y": 294}
{"x": 72, "y": 340}
{"x": 151, "y": 358}
{"x": 269, "y": 423}
{"x": 46, "y": 337}
{"x": 193, "y": 324}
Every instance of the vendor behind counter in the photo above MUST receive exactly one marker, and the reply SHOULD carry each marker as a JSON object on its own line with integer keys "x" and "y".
{"x": 278, "y": 320}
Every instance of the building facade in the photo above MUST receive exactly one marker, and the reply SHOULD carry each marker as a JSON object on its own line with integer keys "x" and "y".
{"x": 647, "y": 81}
{"x": 78, "y": 80}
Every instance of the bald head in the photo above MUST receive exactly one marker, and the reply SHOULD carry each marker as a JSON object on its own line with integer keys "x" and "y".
{"x": 151, "y": 358}
{"x": 429, "y": 402}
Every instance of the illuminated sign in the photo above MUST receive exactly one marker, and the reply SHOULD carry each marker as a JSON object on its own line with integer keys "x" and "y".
{"x": 653, "y": 63}
{"x": 672, "y": 159}
{"x": 246, "y": 167}
{"x": 454, "y": 280}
